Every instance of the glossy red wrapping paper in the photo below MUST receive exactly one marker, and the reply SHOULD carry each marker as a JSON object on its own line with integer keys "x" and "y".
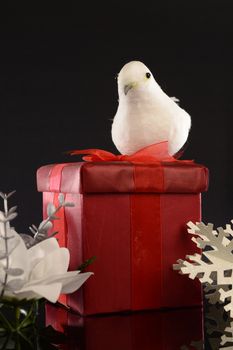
{"x": 132, "y": 217}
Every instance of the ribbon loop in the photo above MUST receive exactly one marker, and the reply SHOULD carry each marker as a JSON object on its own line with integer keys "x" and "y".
{"x": 155, "y": 153}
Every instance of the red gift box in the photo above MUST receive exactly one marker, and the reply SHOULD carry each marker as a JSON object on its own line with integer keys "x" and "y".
{"x": 132, "y": 217}
{"x": 173, "y": 329}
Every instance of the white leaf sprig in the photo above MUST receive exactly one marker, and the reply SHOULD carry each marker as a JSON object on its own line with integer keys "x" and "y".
{"x": 41, "y": 232}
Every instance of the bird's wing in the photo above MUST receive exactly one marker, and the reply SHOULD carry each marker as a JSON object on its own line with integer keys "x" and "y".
{"x": 175, "y": 99}
{"x": 179, "y": 154}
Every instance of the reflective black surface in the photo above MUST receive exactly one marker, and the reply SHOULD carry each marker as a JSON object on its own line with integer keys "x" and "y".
{"x": 181, "y": 329}
{"x": 208, "y": 328}
{"x": 142, "y": 330}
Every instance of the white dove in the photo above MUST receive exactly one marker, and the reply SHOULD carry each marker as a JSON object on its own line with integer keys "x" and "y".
{"x": 145, "y": 114}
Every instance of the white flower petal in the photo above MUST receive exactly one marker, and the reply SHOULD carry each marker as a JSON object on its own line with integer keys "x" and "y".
{"x": 44, "y": 268}
{"x": 73, "y": 283}
{"x": 53, "y": 264}
{"x": 40, "y": 250}
{"x": 71, "y": 280}
{"x": 18, "y": 257}
{"x": 27, "y": 295}
{"x": 50, "y": 292}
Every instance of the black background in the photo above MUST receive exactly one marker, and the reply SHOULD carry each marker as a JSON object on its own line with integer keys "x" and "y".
{"x": 58, "y": 89}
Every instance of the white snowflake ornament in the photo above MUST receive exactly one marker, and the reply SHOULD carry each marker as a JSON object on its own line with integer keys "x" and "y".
{"x": 214, "y": 265}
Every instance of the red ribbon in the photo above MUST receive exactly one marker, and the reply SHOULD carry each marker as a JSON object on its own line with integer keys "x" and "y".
{"x": 155, "y": 153}
{"x": 60, "y": 224}
{"x": 146, "y": 251}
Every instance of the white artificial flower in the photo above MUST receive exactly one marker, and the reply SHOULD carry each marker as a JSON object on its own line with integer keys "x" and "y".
{"x": 38, "y": 272}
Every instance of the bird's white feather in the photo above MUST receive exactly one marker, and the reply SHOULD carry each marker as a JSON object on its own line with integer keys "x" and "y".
{"x": 145, "y": 114}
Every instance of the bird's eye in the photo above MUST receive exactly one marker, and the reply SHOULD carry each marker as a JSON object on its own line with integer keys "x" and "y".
{"x": 148, "y": 75}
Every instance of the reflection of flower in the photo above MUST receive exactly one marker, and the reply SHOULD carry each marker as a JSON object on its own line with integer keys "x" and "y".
{"x": 41, "y": 270}
{"x": 35, "y": 338}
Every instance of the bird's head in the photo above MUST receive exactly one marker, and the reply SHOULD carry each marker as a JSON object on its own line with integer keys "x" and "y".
{"x": 135, "y": 78}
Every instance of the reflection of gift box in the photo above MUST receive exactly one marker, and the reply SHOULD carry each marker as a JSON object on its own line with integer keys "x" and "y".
{"x": 133, "y": 219}
{"x": 173, "y": 329}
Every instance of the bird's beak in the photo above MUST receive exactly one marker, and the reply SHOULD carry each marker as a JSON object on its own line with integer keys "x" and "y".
{"x": 128, "y": 87}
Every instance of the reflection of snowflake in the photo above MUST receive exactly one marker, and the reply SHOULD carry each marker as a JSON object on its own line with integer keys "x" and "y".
{"x": 228, "y": 338}
{"x": 218, "y": 330}
{"x": 218, "y": 325}
{"x": 198, "y": 345}
{"x": 213, "y": 266}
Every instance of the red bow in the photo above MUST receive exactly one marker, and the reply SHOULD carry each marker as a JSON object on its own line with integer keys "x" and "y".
{"x": 157, "y": 152}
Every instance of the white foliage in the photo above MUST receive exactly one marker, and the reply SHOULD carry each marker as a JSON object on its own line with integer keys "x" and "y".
{"x": 214, "y": 265}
